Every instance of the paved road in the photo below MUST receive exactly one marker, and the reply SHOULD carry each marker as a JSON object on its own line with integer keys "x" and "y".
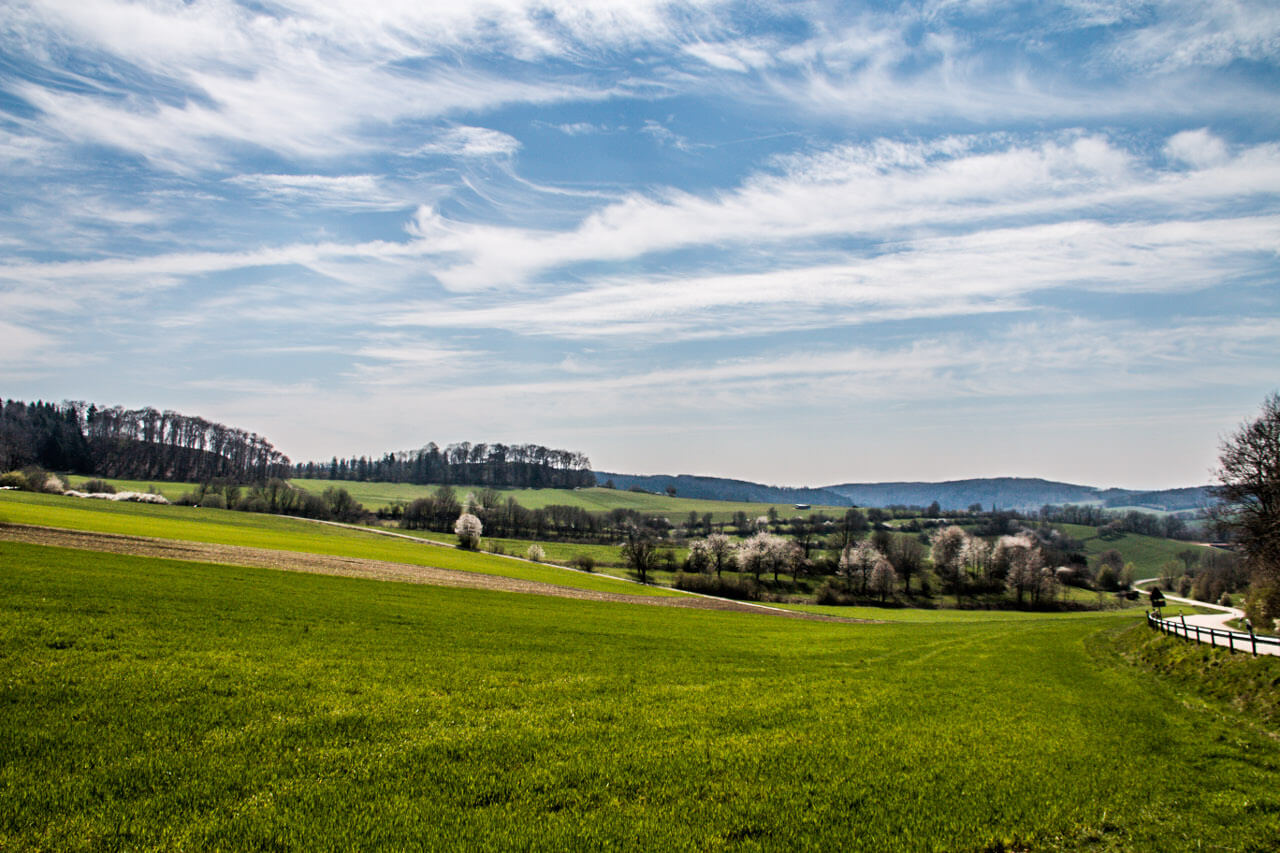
{"x": 1217, "y": 619}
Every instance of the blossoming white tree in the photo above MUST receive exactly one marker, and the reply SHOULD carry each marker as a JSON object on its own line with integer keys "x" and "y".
{"x": 857, "y": 561}
{"x": 762, "y": 553}
{"x": 883, "y": 578}
{"x": 699, "y": 556}
{"x": 468, "y": 528}
{"x": 948, "y": 558}
{"x": 720, "y": 548}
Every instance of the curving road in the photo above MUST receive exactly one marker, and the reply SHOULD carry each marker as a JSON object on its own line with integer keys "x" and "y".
{"x": 1219, "y": 618}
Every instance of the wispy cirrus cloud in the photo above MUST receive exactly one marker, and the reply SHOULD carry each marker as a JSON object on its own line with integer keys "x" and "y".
{"x": 347, "y": 192}
{"x": 607, "y": 212}
{"x": 883, "y": 193}
{"x": 472, "y": 142}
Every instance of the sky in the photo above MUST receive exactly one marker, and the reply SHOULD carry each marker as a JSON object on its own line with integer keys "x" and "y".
{"x": 798, "y": 243}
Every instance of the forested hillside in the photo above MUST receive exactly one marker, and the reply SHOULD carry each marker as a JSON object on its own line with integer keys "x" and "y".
{"x": 132, "y": 443}
{"x": 1016, "y": 493}
{"x": 514, "y": 465}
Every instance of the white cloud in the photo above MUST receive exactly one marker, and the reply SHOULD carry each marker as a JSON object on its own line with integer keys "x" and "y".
{"x": 883, "y": 191}
{"x": 992, "y": 270}
{"x": 472, "y": 142}
{"x": 1185, "y": 33}
{"x": 1197, "y": 148}
{"x": 350, "y": 192}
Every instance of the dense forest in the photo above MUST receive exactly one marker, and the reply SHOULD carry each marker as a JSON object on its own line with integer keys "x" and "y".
{"x": 513, "y": 465}
{"x": 137, "y": 444}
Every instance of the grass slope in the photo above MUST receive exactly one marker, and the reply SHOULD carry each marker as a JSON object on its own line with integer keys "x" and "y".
{"x": 374, "y": 495}
{"x": 227, "y": 527}
{"x": 154, "y": 704}
{"x": 1147, "y": 553}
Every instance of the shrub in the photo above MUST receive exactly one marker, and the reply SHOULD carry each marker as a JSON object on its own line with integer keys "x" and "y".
{"x": 584, "y": 562}
{"x": 98, "y": 487}
{"x": 213, "y": 500}
{"x": 35, "y": 477}
{"x": 496, "y": 548}
{"x": 14, "y": 480}
{"x": 831, "y": 592}
{"x": 745, "y": 589}
{"x": 252, "y": 503}
{"x": 468, "y": 529}
{"x": 535, "y": 553}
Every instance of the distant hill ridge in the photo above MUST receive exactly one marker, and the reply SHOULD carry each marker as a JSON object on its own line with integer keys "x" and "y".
{"x": 1020, "y": 493}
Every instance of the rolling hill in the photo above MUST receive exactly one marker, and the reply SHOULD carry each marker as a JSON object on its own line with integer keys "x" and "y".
{"x": 1020, "y": 493}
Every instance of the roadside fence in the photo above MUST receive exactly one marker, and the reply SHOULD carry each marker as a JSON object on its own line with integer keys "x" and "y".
{"x": 1236, "y": 641}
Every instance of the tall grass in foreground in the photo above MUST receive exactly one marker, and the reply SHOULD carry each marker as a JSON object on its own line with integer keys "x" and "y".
{"x": 154, "y": 704}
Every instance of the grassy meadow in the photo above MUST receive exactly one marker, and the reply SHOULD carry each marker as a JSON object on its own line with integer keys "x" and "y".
{"x": 163, "y": 705}
{"x": 374, "y": 495}
{"x": 1147, "y": 553}
{"x": 227, "y": 527}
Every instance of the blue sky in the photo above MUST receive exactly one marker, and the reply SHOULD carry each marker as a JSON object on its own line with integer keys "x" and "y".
{"x": 801, "y": 243}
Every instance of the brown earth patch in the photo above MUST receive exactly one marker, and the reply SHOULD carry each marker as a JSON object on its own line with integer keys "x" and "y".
{"x": 325, "y": 564}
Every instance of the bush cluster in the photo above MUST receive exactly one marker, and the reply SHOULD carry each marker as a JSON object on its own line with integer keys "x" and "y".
{"x": 741, "y": 589}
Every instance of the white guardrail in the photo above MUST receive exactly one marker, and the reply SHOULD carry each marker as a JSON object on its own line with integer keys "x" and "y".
{"x": 1233, "y": 640}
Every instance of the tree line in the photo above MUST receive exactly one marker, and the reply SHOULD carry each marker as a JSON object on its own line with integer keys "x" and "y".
{"x": 508, "y": 465}
{"x": 135, "y": 444}
{"x": 508, "y": 519}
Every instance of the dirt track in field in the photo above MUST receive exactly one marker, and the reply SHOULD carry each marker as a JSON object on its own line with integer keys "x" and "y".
{"x": 325, "y": 564}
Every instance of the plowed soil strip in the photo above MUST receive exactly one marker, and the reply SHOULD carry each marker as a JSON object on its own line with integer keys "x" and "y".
{"x": 323, "y": 564}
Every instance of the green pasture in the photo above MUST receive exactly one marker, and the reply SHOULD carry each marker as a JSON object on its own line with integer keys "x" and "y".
{"x": 227, "y": 527}
{"x": 556, "y": 552}
{"x": 163, "y": 705}
{"x": 1147, "y": 553}
{"x": 374, "y": 495}
{"x": 172, "y": 491}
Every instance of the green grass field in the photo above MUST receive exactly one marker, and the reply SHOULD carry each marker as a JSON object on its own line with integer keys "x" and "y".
{"x": 162, "y": 705}
{"x": 374, "y": 495}
{"x": 609, "y": 556}
{"x": 226, "y": 527}
{"x": 1147, "y": 553}
{"x": 172, "y": 491}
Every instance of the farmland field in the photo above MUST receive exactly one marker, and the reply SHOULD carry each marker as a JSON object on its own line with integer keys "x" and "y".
{"x": 254, "y": 530}
{"x": 374, "y": 495}
{"x": 1147, "y": 553}
{"x": 157, "y": 704}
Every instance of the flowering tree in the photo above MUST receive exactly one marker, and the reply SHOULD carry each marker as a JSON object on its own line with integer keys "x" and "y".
{"x": 699, "y": 556}
{"x": 535, "y": 553}
{"x": 762, "y": 553}
{"x": 883, "y": 578}
{"x": 857, "y": 562}
{"x": 948, "y": 558}
{"x": 468, "y": 528}
{"x": 1024, "y": 562}
{"x": 977, "y": 558}
{"x": 720, "y": 548}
